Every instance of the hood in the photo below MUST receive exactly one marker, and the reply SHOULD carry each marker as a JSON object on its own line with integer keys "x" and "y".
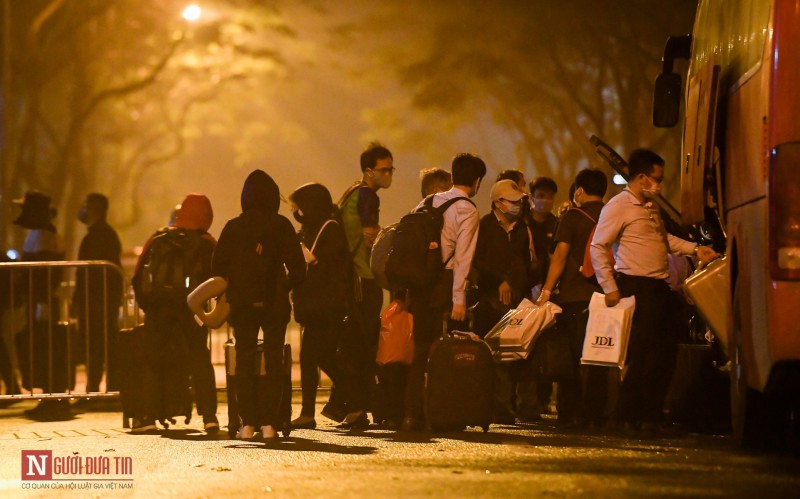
{"x": 260, "y": 192}
{"x": 195, "y": 213}
{"x": 314, "y": 200}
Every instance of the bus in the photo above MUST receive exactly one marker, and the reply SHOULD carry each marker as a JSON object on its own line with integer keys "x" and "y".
{"x": 740, "y": 180}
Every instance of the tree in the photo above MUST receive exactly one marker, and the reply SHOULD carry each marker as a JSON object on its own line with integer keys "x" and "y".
{"x": 550, "y": 74}
{"x": 105, "y": 91}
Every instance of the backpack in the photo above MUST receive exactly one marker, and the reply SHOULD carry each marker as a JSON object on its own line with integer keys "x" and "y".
{"x": 380, "y": 252}
{"x": 415, "y": 260}
{"x": 252, "y": 275}
{"x": 173, "y": 268}
{"x": 587, "y": 268}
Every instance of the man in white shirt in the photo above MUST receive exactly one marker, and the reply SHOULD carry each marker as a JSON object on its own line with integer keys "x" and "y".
{"x": 447, "y": 298}
{"x": 632, "y": 223}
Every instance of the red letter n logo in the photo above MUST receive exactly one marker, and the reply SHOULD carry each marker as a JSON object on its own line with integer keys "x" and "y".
{"x": 37, "y": 465}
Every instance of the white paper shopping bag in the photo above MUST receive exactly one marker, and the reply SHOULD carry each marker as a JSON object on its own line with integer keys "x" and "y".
{"x": 608, "y": 331}
{"x": 513, "y": 336}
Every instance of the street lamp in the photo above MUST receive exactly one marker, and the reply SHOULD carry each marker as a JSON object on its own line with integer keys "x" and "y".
{"x": 192, "y": 13}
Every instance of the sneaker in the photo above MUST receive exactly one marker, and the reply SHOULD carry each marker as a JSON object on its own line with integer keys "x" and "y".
{"x": 246, "y": 432}
{"x": 334, "y": 412}
{"x": 144, "y": 425}
{"x": 304, "y": 423}
{"x": 355, "y": 421}
{"x": 269, "y": 432}
{"x": 210, "y": 425}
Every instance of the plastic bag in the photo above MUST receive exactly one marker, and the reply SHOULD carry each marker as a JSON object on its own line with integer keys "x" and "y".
{"x": 396, "y": 340}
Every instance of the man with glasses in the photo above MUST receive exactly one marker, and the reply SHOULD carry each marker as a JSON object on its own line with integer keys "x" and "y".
{"x": 360, "y": 206}
{"x": 632, "y": 223}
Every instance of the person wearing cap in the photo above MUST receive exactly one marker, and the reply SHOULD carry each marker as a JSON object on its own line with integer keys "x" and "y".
{"x": 97, "y": 299}
{"x": 505, "y": 273}
{"x": 42, "y": 244}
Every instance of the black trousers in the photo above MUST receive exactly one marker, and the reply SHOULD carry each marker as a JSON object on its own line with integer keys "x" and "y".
{"x": 431, "y": 309}
{"x": 259, "y": 409}
{"x": 102, "y": 349}
{"x": 318, "y": 351}
{"x": 177, "y": 348}
{"x": 652, "y": 350}
{"x": 365, "y": 330}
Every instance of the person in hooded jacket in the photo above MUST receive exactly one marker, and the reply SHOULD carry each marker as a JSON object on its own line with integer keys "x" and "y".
{"x": 320, "y": 303}
{"x": 259, "y": 254}
{"x": 174, "y": 322}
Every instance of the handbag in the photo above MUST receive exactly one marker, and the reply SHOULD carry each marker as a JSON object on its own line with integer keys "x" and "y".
{"x": 396, "y": 340}
{"x": 608, "y": 331}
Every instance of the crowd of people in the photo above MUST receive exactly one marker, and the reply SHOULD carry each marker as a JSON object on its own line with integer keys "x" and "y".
{"x": 519, "y": 249}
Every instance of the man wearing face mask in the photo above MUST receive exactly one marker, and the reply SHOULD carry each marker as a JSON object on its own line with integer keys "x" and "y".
{"x": 360, "y": 207}
{"x": 632, "y": 223}
{"x": 502, "y": 257}
{"x": 542, "y": 221}
{"x": 575, "y": 291}
{"x": 94, "y": 318}
{"x": 505, "y": 277}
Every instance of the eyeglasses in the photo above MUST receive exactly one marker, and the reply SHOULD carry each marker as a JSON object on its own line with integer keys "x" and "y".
{"x": 390, "y": 170}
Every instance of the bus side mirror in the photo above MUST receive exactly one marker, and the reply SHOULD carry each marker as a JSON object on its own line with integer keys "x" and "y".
{"x": 667, "y": 100}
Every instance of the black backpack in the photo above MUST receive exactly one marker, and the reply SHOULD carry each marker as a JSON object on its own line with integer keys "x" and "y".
{"x": 173, "y": 267}
{"x": 415, "y": 260}
{"x": 254, "y": 275}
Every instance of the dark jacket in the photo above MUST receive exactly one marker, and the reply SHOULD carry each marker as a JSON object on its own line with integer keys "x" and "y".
{"x": 100, "y": 243}
{"x": 502, "y": 256}
{"x": 258, "y": 252}
{"x": 322, "y": 297}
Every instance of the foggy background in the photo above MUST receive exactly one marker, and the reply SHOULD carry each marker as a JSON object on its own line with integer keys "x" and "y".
{"x": 131, "y": 99}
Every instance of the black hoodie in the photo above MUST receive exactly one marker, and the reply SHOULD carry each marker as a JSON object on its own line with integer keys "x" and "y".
{"x": 258, "y": 252}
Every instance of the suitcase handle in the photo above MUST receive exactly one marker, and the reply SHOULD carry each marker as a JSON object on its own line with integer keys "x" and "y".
{"x": 464, "y": 335}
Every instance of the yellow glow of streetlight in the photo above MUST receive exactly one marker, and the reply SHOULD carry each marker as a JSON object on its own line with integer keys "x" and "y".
{"x": 192, "y": 13}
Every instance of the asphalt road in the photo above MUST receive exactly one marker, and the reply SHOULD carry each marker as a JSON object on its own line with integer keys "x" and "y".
{"x": 509, "y": 461}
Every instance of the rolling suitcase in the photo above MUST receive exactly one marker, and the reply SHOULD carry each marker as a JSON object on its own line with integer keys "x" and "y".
{"x": 707, "y": 289}
{"x": 459, "y": 384}
{"x": 170, "y": 373}
{"x": 234, "y": 422}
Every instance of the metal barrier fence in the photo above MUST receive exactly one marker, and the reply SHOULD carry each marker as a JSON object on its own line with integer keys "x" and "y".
{"x": 46, "y": 343}
{"x": 39, "y": 316}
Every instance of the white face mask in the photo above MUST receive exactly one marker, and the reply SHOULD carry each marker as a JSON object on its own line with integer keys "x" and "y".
{"x": 653, "y": 191}
{"x": 511, "y": 211}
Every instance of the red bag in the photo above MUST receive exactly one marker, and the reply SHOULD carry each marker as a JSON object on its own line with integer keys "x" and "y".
{"x": 396, "y": 341}
{"x": 587, "y": 269}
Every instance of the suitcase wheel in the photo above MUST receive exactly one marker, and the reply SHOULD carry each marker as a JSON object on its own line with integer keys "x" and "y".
{"x": 485, "y": 428}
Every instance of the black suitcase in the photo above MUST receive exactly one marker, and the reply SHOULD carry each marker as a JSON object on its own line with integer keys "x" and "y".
{"x": 459, "y": 384}
{"x": 699, "y": 394}
{"x": 234, "y": 422}
{"x": 170, "y": 373}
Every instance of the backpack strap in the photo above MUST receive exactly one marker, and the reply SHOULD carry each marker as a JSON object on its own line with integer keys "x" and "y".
{"x": 330, "y": 221}
{"x": 585, "y": 214}
{"x": 342, "y": 202}
{"x": 443, "y": 208}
